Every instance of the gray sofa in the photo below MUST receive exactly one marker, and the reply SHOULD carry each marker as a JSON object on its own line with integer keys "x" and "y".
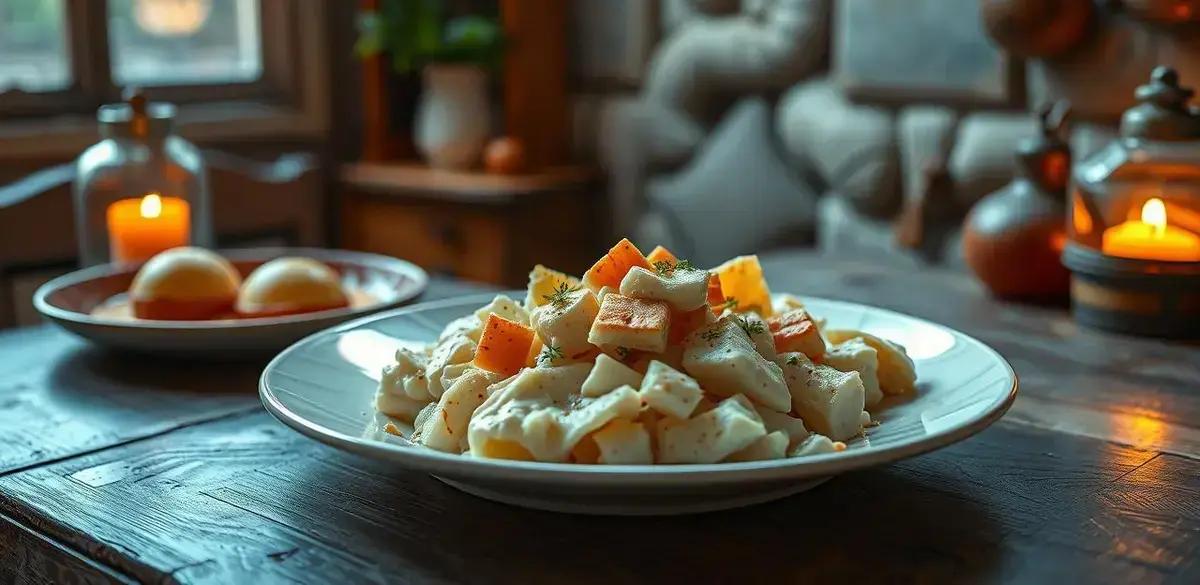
{"x": 854, "y": 125}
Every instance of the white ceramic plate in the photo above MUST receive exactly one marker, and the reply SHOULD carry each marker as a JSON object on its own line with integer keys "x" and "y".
{"x": 375, "y": 283}
{"x": 324, "y": 387}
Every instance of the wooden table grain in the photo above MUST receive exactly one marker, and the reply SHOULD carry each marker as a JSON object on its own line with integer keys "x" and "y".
{"x": 119, "y": 470}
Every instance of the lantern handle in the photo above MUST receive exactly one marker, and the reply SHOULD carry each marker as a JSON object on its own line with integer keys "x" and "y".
{"x": 1055, "y": 119}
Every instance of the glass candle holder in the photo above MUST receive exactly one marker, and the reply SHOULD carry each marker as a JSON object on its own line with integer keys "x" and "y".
{"x": 1134, "y": 219}
{"x": 142, "y": 189}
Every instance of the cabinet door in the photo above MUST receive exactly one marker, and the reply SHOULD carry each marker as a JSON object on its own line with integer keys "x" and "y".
{"x": 442, "y": 239}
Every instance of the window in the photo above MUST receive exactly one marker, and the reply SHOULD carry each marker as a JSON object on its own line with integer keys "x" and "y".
{"x": 180, "y": 42}
{"x": 33, "y": 46}
{"x": 219, "y": 59}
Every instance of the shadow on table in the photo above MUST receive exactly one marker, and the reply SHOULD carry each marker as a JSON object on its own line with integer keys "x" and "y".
{"x": 872, "y": 526}
{"x": 91, "y": 369}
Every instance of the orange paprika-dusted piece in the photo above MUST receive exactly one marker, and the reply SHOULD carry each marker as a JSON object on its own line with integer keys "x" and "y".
{"x": 503, "y": 346}
{"x": 796, "y": 331}
{"x": 611, "y": 268}
{"x": 685, "y": 322}
{"x": 661, "y": 254}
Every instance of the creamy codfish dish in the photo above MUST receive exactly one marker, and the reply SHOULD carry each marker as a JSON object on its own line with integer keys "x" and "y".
{"x": 643, "y": 360}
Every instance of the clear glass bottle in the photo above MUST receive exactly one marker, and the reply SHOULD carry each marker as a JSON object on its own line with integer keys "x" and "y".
{"x": 139, "y": 156}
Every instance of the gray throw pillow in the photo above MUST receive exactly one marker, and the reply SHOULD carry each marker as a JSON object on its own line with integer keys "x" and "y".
{"x": 738, "y": 195}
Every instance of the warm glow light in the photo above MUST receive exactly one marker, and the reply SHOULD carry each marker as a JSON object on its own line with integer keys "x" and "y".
{"x": 1151, "y": 237}
{"x": 140, "y": 227}
{"x": 1155, "y": 214}
{"x": 1081, "y": 217}
{"x": 1143, "y": 430}
{"x": 151, "y": 206}
{"x": 171, "y": 18}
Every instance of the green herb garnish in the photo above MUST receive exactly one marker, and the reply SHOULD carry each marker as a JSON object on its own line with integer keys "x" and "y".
{"x": 793, "y": 361}
{"x": 549, "y": 354}
{"x": 710, "y": 335}
{"x": 750, "y": 327}
{"x": 730, "y": 303}
{"x": 560, "y": 298}
{"x": 665, "y": 269}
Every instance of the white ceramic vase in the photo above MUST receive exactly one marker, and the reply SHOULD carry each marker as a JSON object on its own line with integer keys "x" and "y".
{"x": 452, "y": 117}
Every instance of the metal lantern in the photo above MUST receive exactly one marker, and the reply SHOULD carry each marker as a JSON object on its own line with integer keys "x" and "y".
{"x": 1134, "y": 220}
{"x": 141, "y": 189}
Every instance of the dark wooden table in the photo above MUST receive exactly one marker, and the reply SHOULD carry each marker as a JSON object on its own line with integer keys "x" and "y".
{"x": 115, "y": 470}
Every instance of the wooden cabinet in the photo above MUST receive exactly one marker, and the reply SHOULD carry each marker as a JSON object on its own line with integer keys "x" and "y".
{"x": 481, "y": 227}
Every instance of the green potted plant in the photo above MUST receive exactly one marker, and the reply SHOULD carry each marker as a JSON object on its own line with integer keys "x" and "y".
{"x": 454, "y": 55}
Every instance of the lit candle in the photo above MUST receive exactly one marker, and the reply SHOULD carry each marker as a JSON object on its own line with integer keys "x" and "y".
{"x": 141, "y": 228}
{"x": 1151, "y": 238}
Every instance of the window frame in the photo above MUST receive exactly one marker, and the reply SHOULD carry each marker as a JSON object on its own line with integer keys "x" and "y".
{"x": 288, "y": 99}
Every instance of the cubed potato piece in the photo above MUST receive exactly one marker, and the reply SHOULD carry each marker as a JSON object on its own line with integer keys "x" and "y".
{"x": 815, "y": 444}
{"x": 854, "y": 355}
{"x": 897, "y": 372}
{"x": 684, "y": 290}
{"x": 406, "y": 376}
{"x": 611, "y": 268}
{"x": 668, "y": 391}
{"x": 772, "y": 445}
{"x": 708, "y": 437}
{"x": 449, "y": 359}
{"x": 795, "y": 330}
{"x": 544, "y": 283}
{"x": 631, "y": 323}
{"x": 624, "y": 442}
{"x": 760, "y": 334}
{"x": 742, "y": 279}
{"x": 604, "y": 290}
{"x": 445, "y": 429}
{"x": 829, "y": 401}
{"x": 723, "y": 359}
{"x": 542, "y": 411}
{"x": 468, "y": 325}
{"x": 747, "y": 404}
{"x": 565, "y": 323}
{"x": 399, "y": 406}
{"x": 661, "y": 254}
{"x": 609, "y": 374}
{"x": 503, "y": 307}
{"x": 779, "y": 421}
{"x": 504, "y": 346}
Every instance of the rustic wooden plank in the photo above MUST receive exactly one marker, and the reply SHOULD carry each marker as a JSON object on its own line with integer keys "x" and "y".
{"x": 61, "y": 396}
{"x": 1056, "y": 359}
{"x": 29, "y": 557}
{"x": 1135, "y": 430}
{"x": 245, "y": 497}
